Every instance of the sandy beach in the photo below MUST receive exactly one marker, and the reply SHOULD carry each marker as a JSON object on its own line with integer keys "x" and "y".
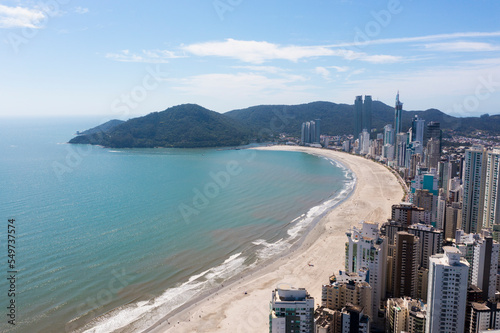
{"x": 243, "y": 305}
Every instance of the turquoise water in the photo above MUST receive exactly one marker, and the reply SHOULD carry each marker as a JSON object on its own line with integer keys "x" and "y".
{"x": 134, "y": 231}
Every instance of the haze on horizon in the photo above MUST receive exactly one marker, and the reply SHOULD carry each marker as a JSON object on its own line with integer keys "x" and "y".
{"x": 125, "y": 59}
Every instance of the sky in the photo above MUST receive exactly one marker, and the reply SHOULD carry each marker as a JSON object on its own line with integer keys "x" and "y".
{"x": 122, "y": 59}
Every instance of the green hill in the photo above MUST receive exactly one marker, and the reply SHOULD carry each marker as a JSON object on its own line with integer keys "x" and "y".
{"x": 182, "y": 126}
{"x": 191, "y": 125}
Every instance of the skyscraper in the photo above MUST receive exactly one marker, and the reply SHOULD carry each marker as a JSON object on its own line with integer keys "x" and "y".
{"x": 366, "y": 249}
{"x": 418, "y": 128}
{"x": 405, "y": 267}
{"x": 358, "y": 116}
{"x": 447, "y": 292}
{"x": 367, "y": 114}
{"x": 388, "y": 134}
{"x": 310, "y": 132}
{"x": 433, "y": 130}
{"x": 398, "y": 109}
{"x": 491, "y": 210}
{"x": 362, "y": 115}
{"x": 473, "y": 189}
{"x": 484, "y": 266}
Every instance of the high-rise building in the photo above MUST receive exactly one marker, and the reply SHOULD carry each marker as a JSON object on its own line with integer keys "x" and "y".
{"x": 407, "y": 213}
{"x": 433, "y": 131}
{"x": 310, "y": 132}
{"x": 484, "y": 317}
{"x": 352, "y": 288}
{"x": 491, "y": 209}
{"x": 349, "y": 319}
{"x": 447, "y": 292}
{"x": 358, "y": 116}
{"x": 418, "y": 127}
{"x": 362, "y": 115}
{"x": 364, "y": 142}
{"x": 292, "y": 310}
{"x": 433, "y": 155}
{"x": 367, "y": 114}
{"x": 398, "y": 121}
{"x": 405, "y": 315}
{"x": 431, "y": 241}
{"x": 367, "y": 249}
{"x": 453, "y": 217}
{"x": 473, "y": 189}
{"x": 406, "y": 263}
{"x": 485, "y": 266}
{"x": 400, "y": 148}
{"x": 388, "y": 135}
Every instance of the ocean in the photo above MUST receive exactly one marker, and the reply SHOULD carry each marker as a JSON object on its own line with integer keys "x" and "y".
{"x": 108, "y": 237}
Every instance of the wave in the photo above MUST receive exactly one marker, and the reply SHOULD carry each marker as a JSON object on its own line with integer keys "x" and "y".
{"x": 148, "y": 312}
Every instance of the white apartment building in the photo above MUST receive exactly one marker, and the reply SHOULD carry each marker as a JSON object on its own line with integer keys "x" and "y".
{"x": 447, "y": 292}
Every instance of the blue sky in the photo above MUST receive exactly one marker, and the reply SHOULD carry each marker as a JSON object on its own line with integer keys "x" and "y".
{"x": 127, "y": 58}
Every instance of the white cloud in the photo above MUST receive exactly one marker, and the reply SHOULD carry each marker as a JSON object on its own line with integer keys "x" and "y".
{"x": 462, "y": 47}
{"x": 20, "y": 17}
{"x": 81, "y": 10}
{"x": 147, "y": 56}
{"x": 266, "y": 69}
{"x": 427, "y": 38}
{"x": 340, "y": 69}
{"x": 259, "y": 52}
{"x": 256, "y": 52}
{"x": 325, "y": 73}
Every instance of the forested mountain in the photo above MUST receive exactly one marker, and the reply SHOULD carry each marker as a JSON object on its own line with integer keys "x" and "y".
{"x": 190, "y": 125}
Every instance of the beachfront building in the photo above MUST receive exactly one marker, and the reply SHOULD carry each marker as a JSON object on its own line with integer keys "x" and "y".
{"x": 310, "y": 132}
{"x": 447, "y": 292}
{"x": 348, "y": 288}
{"x": 362, "y": 115}
{"x": 291, "y": 310}
{"x": 366, "y": 249}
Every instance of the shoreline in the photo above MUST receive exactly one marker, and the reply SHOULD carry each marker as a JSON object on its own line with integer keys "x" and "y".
{"x": 242, "y": 303}
{"x": 303, "y": 224}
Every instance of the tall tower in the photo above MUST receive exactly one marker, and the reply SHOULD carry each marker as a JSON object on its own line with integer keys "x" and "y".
{"x": 491, "y": 210}
{"x": 405, "y": 267}
{"x": 447, "y": 292}
{"x": 367, "y": 114}
{"x": 317, "y": 138}
{"x": 418, "y": 128}
{"x": 398, "y": 109}
{"x": 473, "y": 189}
{"x": 369, "y": 242}
{"x": 358, "y": 116}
